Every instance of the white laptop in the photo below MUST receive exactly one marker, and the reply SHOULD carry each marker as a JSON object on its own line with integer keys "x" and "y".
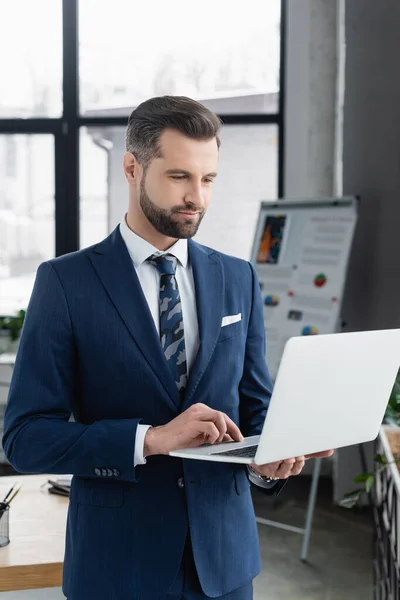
{"x": 331, "y": 391}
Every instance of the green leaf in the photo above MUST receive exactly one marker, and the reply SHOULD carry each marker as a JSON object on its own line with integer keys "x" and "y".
{"x": 392, "y": 417}
{"x": 363, "y": 477}
{"x": 392, "y": 413}
{"x": 369, "y": 483}
{"x": 353, "y": 493}
{"x": 351, "y": 499}
{"x": 380, "y": 459}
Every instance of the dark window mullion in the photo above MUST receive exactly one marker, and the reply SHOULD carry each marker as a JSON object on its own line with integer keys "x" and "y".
{"x": 27, "y": 126}
{"x": 251, "y": 119}
{"x": 67, "y": 142}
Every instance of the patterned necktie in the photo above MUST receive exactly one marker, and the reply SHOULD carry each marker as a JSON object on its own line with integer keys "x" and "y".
{"x": 171, "y": 319}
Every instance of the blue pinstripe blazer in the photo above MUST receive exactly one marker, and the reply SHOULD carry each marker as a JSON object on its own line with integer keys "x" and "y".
{"x": 89, "y": 347}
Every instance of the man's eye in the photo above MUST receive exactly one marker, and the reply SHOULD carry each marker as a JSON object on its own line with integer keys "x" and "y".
{"x": 178, "y": 177}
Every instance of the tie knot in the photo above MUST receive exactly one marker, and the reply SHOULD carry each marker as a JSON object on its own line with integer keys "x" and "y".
{"x": 165, "y": 264}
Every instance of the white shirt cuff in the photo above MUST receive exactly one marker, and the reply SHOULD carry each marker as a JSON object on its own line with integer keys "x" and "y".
{"x": 141, "y": 431}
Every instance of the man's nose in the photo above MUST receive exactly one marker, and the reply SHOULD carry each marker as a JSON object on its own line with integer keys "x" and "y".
{"x": 196, "y": 197}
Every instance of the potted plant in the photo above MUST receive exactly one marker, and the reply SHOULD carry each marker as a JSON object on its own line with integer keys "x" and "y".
{"x": 392, "y": 420}
{"x": 391, "y": 424}
{"x": 10, "y": 328}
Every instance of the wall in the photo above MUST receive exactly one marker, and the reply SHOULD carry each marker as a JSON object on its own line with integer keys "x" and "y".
{"x": 313, "y": 56}
{"x": 371, "y": 161}
{"x": 247, "y": 174}
{"x": 311, "y": 80}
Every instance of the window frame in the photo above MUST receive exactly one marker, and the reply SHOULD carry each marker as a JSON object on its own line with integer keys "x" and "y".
{"x": 66, "y": 129}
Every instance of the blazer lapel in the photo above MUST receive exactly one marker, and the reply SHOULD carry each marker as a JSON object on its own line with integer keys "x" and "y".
{"x": 114, "y": 267}
{"x": 209, "y": 290}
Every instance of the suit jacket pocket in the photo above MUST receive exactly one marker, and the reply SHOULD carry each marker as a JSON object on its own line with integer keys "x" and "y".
{"x": 92, "y": 492}
{"x": 242, "y": 482}
{"x": 230, "y": 331}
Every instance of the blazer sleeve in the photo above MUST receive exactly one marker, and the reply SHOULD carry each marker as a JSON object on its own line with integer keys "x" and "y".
{"x": 38, "y": 435}
{"x": 255, "y": 387}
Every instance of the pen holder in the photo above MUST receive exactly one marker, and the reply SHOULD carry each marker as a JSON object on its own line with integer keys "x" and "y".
{"x": 4, "y": 524}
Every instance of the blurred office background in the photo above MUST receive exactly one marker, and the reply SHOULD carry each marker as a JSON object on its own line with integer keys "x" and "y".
{"x": 309, "y": 93}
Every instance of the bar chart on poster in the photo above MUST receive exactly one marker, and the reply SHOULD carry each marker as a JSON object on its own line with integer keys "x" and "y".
{"x": 301, "y": 250}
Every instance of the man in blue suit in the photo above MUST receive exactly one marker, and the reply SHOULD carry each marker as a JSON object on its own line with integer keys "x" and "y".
{"x": 127, "y": 336}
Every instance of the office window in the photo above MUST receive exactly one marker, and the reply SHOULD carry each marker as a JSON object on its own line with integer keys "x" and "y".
{"x": 214, "y": 52}
{"x": 10, "y": 156}
{"x": 97, "y": 157}
{"x": 247, "y": 175}
{"x": 227, "y": 57}
{"x": 26, "y": 217}
{"x": 31, "y": 58}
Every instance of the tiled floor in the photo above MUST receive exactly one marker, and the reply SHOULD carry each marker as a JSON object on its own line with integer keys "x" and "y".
{"x": 339, "y": 564}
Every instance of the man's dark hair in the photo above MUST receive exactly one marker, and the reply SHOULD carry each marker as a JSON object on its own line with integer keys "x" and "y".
{"x": 152, "y": 117}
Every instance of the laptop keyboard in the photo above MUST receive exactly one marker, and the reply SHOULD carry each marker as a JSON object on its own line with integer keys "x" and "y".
{"x": 248, "y": 452}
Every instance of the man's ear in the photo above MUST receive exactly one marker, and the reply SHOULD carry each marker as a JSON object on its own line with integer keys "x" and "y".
{"x": 131, "y": 167}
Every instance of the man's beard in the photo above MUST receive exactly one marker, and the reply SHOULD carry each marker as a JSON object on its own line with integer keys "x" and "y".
{"x": 163, "y": 220}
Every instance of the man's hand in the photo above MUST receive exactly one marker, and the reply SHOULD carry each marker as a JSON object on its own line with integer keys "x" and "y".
{"x": 323, "y": 454}
{"x": 282, "y": 468}
{"x": 198, "y": 425}
{"x": 291, "y": 466}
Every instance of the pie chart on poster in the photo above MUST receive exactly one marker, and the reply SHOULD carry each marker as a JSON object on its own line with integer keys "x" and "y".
{"x": 271, "y": 300}
{"x": 310, "y": 330}
{"x": 320, "y": 280}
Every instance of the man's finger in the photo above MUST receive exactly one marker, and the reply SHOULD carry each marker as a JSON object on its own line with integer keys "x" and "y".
{"x": 284, "y": 470}
{"x": 205, "y": 413}
{"x": 208, "y": 430}
{"x": 232, "y": 429}
{"x": 220, "y": 424}
{"x": 324, "y": 454}
{"x": 267, "y": 470}
{"x": 298, "y": 466}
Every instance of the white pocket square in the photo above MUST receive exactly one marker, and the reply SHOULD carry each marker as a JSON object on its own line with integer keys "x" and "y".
{"x": 231, "y": 319}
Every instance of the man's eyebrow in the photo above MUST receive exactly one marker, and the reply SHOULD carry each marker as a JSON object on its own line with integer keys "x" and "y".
{"x": 184, "y": 172}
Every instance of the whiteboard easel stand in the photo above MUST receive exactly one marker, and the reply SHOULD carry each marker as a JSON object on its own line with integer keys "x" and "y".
{"x": 306, "y": 530}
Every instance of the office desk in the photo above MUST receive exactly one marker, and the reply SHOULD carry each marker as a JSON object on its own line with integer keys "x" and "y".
{"x": 35, "y": 554}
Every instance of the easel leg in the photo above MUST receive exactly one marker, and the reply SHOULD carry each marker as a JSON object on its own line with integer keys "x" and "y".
{"x": 310, "y": 509}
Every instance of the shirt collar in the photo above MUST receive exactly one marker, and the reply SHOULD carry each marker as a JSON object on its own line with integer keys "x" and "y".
{"x": 139, "y": 249}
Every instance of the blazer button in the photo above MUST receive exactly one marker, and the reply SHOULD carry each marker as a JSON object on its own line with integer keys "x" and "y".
{"x": 109, "y": 472}
{"x": 116, "y": 472}
{"x": 181, "y": 482}
{"x": 104, "y": 472}
{"x": 97, "y": 471}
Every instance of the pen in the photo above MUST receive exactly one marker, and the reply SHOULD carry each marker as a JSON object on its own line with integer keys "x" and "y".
{"x": 4, "y": 505}
{"x": 13, "y": 495}
{"x": 9, "y": 492}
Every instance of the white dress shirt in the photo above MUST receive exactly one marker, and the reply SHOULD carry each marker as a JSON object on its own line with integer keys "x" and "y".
{"x": 149, "y": 277}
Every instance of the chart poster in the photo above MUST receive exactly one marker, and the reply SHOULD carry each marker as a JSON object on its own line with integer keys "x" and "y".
{"x": 301, "y": 251}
